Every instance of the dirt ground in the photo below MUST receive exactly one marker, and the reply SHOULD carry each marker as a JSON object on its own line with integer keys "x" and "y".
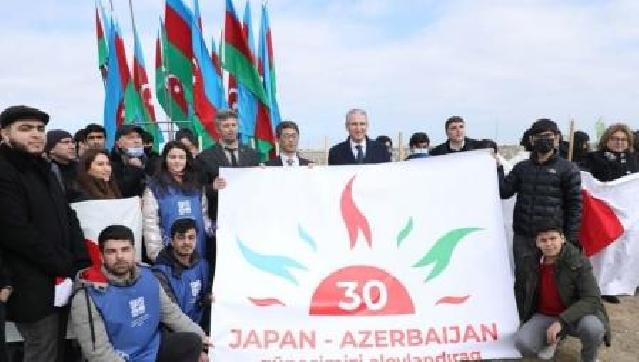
{"x": 624, "y": 319}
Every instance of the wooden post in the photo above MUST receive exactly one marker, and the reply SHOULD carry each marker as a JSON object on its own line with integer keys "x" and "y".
{"x": 400, "y": 147}
{"x": 571, "y": 139}
{"x": 326, "y": 150}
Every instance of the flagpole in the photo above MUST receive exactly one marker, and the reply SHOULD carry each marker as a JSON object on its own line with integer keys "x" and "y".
{"x": 571, "y": 139}
{"x": 132, "y": 16}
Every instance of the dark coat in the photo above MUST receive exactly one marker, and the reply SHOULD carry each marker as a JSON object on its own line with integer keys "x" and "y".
{"x": 277, "y": 161}
{"x": 548, "y": 192}
{"x": 576, "y": 284}
{"x": 68, "y": 173}
{"x": 342, "y": 154}
{"x": 209, "y": 163}
{"x": 41, "y": 236}
{"x": 131, "y": 179}
{"x": 608, "y": 166}
{"x": 444, "y": 148}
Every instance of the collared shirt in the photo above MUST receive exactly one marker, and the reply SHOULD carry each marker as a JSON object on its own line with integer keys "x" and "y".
{"x": 228, "y": 154}
{"x": 450, "y": 146}
{"x": 354, "y": 148}
{"x": 294, "y": 160}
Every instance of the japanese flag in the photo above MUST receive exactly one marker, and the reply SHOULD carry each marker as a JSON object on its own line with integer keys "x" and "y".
{"x": 610, "y": 232}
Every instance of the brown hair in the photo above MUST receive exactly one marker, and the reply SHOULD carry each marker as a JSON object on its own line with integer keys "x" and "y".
{"x": 225, "y": 114}
{"x": 96, "y": 188}
{"x": 617, "y": 127}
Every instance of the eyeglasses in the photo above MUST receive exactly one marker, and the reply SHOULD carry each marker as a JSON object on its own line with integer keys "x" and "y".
{"x": 619, "y": 139}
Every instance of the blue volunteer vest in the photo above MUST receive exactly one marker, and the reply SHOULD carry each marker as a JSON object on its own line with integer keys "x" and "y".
{"x": 189, "y": 287}
{"x": 131, "y": 316}
{"x": 173, "y": 204}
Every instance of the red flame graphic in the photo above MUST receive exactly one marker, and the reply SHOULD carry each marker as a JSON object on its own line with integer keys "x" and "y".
{"x": 353, "y": 218}
{"x": 266, "y": 302}
{"x": 453, "y": 300}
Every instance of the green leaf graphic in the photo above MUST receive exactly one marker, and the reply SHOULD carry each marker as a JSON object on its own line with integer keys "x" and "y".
{"x": 405, "y": 231}
{"x": 442, "y": 251}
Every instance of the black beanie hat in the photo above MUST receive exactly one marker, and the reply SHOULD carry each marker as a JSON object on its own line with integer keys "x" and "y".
{"x": 14, "y": 113}
{"x": 54, "y": 136}
{"x": 544, "y": 125}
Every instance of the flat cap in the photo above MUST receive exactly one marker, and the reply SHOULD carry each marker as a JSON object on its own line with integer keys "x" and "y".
{"x": 15, "y": 113}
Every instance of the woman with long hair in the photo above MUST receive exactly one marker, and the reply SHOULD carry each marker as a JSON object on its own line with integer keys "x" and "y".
{"x": 615, "y": 156}
{"x": 174, "y": 192}
{"x": 95, "y": 179}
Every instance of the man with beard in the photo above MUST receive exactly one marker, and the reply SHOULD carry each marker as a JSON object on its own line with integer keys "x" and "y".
{"x": 548, "y": 189}
{"x": 41, "y": 237}
{"x": 182, "y": 272}
{"x": 119, "y": 306}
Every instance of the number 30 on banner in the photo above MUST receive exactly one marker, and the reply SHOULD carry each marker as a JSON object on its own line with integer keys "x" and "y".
{"x": 361, "y": 290}
{"x": 374, "y": 295}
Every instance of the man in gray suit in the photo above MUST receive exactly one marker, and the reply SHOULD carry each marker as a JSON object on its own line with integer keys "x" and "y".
{"x": 229, "y": 152}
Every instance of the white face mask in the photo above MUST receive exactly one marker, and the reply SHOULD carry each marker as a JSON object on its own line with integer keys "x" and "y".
{"x": 420, "y": 151}
{"x": 135, "y": 151}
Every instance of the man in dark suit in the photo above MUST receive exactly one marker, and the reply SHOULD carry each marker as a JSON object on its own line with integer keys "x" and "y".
{"x": 226, "y": 153}
{"x": 457, "y": 140}
{"x": 288, "y": 136}
{"x": 358, "y": 148}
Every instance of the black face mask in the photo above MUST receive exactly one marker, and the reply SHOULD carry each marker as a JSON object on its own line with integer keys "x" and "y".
{"x": 543, "y": 145}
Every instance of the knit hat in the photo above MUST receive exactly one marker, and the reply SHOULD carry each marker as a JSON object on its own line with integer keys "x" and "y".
{"x": 544, "y": 125}
{"x": 54, "y": 136}
{"x": 15, "y": 113}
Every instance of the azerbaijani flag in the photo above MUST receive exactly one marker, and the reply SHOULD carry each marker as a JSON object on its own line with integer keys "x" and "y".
{"x": 114, "y": 94}
{"x": 247, "y": 103}
{"x": 143, "y": 93}
{"x": 239, "y": 62}
{"x": 178, "y": 60}
{"x": 168, "y": 88}
{"x": 103, "y": 48}
{"x": 266, "y": 67}
{"x": 208, "y": 91}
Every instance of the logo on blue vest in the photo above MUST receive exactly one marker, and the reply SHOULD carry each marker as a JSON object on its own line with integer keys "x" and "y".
{"x": 196, "y": 286}
{"x": 137, "y": 307}
{"x": 184, "y": 207}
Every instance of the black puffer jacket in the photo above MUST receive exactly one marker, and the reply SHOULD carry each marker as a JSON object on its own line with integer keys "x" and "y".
{"x": 548, "y": 192}
{"x": 608, "y": 166}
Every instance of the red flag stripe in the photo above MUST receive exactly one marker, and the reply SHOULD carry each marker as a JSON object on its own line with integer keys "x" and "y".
{"x": 178, "y": 31}
{"x": 122, "y": 63}
{"x": 98, "y": 26}
{"x": 234, "y": 36}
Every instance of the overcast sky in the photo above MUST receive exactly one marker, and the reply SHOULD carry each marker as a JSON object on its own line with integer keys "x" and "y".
{"x": 412, "y": 63}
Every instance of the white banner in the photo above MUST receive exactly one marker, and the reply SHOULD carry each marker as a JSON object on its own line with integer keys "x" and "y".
{"x": 395, "y": 262}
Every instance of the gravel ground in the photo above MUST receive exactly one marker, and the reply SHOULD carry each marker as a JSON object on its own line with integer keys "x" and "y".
{"x": 624, "y": 319}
